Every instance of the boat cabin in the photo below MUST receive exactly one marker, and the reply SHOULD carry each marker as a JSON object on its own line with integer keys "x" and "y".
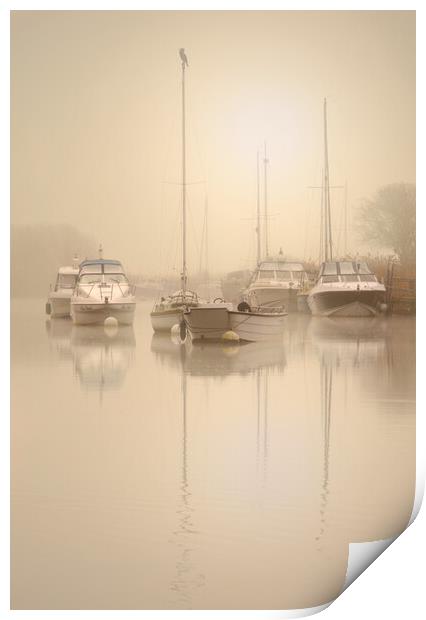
{"x": 66, "y": 278}
{"x": 280, "y": 271}
{"x": 345, "y": 271}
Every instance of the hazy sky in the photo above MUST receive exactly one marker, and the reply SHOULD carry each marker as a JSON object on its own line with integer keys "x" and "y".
{"x": 96, "y": 124}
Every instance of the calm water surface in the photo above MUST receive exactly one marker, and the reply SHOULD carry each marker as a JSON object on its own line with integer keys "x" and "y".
{"x": 149, "y": 475}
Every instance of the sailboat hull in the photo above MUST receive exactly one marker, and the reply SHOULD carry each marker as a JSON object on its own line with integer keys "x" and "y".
{"x": 163, "y": 321}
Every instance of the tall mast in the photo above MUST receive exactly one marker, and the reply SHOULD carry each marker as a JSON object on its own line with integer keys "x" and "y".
{"x": 258, "y": 231}
{"x": 184, "y": 272}
{"x": 346, "y": 219}
{"x": 265, "y": 197}
{"x": 328, "y": 246}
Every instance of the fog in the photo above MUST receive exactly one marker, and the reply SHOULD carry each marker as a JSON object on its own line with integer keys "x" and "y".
{"x": 95, "y": 133}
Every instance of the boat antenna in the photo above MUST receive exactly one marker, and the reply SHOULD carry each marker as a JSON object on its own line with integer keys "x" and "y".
{"x": 265, "y": 197}
{"x": 184, "y": 271}
{"x": 258, "y": 231}
{"x": 328, "y": 244}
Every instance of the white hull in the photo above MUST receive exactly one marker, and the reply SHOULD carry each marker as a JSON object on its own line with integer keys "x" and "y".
{"x": 164, "y": 321}
{"x": 272, "y": 296}
{"x": 92, "y": 313}
{"x": 59, "y": 306}
{"x": 257, "y": 327}
{"x": 208, "y": 322}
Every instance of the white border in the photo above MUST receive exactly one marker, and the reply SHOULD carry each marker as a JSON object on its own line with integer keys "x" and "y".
{"x": 401, "y": 562}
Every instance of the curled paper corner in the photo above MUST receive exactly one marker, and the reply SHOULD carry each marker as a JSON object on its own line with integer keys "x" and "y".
{"x": 420, "y": 489}
{"x": 302, "y": 613}
{"x": 361, "y": 555}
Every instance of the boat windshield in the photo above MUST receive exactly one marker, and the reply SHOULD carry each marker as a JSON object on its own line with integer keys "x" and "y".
{"x": 329, "y": 269}
{"x": 94, "y": 278}
{"x": 347, "y": 268}
{"x": 91, "y": 269}
{"x": 284, "y": 275}
{"x": 363, "y": 268}
{"x": 266, "y": 274}
{"x": 351, "y": 278}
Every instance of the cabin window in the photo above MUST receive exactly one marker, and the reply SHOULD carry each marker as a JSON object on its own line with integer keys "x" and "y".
{"x": 330, "y": 269}
{"x": 266, "y": 274}
{"x": 353, "y": 278}
{"x": 284, "y": 275}
{"x": 347, "y": 268}
{"x": 66, "y": 280}
{"x": 327, "y": 279}
{"x": 368, "y": 278}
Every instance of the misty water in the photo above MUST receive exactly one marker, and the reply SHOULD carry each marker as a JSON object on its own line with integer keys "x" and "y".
{"x": 148, "y": 474}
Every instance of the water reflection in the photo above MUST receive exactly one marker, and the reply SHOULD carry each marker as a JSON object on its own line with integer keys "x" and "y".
{"x": 185, "y": 581}
{"x": 238, "y": 476}
{"x": 100, "y": 356}
{"x": 217, "y": 359}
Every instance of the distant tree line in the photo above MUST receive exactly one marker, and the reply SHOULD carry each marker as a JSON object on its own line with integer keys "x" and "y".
{"x": 388, "y": 221}
{"x": 38, "y": 251}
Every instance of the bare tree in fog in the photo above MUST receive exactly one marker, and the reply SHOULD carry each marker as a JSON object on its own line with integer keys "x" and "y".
{"x": 388, "y": 220}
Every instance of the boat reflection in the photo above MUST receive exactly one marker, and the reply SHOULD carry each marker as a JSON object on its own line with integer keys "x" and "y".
{"x": 357, "y": 358}
{"x": 100, "y": 356}
{"x": 186, "y": 578}
{"x": 217, "y": 359}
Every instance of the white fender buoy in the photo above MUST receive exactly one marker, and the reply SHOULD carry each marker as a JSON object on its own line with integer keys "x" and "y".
{"x": 230, "y": 336}
{"x": 110, "y": 321}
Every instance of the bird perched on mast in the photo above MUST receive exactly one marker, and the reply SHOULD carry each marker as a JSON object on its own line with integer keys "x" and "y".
{"x": 183, "y": 56}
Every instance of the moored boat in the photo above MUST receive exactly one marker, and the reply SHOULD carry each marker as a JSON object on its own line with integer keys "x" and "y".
{"x": 168, "y": 311}
{"x": 276, "y": 282}
{"x": 58, "y": 304}
{"x": 102, "y": 291}
{"x": 213, "y": 322}
{"x": 346, "y": 289}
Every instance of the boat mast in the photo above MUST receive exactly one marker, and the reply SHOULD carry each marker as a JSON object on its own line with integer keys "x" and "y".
{"x": 184, "y": 271}
{"x": 328, "y": 246}
{"x": 265, "y": 197}
{"x": 258, "y": 211}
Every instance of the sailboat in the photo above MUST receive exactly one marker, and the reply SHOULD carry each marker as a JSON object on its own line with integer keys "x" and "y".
{"x": 248, "y": 322}
{"x": 276, "y": 279}
{"x": 343, "y": 287}
{"x": 168, "y": 311}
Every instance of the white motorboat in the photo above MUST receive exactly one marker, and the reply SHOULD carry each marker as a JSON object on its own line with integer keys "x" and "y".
{"x": 211, "y": 322}
{"x": 58, "y": 304}
{"x": 102, "y": 291}
{"x": 276, "y": 282}
{"x": 168, "y": 311}
{"x": 346, "y": 288}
